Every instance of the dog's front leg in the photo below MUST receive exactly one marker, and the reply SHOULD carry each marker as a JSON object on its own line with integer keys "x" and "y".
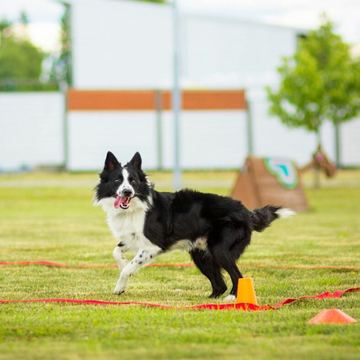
{"x": 118, "y": 255}
{"x": 142, "y": 257}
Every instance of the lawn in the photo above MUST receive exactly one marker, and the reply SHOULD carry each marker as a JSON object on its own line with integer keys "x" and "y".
{"x": 51, "y": 217}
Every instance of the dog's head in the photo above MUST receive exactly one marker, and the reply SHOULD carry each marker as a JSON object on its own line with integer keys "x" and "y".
{"x": 122, "y": 183}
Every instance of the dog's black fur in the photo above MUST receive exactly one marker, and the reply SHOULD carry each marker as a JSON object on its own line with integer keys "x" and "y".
{"x": 226, "y": 224}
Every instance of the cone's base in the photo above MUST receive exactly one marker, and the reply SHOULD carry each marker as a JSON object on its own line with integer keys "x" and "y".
{"x": 332, "y": 316}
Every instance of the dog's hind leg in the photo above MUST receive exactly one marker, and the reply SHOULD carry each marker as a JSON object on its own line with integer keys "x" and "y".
{"x": 206, "y": 264}
{"x": 229, "y": 265}
{"x": 142, "y": 257}
{"x": 232, "y": 243}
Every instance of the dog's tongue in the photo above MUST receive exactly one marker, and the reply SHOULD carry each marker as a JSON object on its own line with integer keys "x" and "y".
{"x": 121, "y": 201}
{"x": 117, "y": 202}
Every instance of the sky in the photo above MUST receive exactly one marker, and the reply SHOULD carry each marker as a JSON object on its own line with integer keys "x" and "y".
{"x": 45, "y": 14}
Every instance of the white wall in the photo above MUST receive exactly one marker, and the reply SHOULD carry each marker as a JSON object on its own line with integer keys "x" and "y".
{"x": 213, "y": 139}
{"x": 121, "y": 44}
{"x": 227, "y": 52}
{"x": 131, "y": 47}
{"x": 31, "y": 134}
{"x": 210, "y": 139}
{"x": 350, "y": 137}
{"x": 92, "y": 134}
{"x": 31, "y": 129}
{"x": 271, "y": 138}
{"x": 134, "y": 50}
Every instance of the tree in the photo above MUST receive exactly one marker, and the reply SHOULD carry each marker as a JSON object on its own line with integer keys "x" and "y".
{"x": 61, "y": 71}
{"x": 320, "y": 82}
{"x": 4, "y": 24}
{"x": 24, "y": 18}
{"x": 20, "y": 61}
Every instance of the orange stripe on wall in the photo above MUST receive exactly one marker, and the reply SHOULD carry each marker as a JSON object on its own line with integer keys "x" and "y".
{"x": 107, "y": 100}
{"x": 209, "y": 100}
{"x": 82, "y": 100}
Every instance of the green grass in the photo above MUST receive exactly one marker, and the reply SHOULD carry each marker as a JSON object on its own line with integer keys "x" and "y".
{"x": 50, "y": 216}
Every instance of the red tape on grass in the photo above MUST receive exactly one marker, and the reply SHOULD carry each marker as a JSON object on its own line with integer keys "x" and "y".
{"x": 86, "y": 266}
{"x": 28, "y": 263}
{"x": 241, "y": 306}
{"x": 106, "y": 266}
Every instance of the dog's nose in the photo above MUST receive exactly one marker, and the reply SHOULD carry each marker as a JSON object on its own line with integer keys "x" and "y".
{"x": 127, "y": 192}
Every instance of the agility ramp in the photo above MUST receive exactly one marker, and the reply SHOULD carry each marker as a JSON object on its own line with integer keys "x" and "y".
{"x": 270, "y": 180}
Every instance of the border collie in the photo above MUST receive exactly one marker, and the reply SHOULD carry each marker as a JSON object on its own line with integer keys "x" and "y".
{"x": 214, "y": 229}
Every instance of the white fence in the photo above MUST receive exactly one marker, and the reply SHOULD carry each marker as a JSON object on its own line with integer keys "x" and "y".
{"x": 31, "y": 134}
{"x": 210, "y": 139}
{"x": 31, "y": 130}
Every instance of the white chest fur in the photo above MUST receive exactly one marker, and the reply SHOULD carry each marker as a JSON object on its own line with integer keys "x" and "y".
{"x": 127, "y": 225}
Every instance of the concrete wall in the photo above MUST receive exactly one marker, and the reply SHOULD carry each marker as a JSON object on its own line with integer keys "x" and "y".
{"x": 31, "y": 129}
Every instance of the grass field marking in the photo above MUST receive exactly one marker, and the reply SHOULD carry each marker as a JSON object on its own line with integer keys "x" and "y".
{"x": 50, "y": 264}
{"x": 208, "y": 306}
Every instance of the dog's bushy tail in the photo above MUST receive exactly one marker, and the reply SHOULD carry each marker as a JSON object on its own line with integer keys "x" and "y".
{"x": 262, "y": 218}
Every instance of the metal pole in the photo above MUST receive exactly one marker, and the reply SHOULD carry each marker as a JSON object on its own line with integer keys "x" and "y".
{"x": 159, "y": 138}
{"x": 249, "y": 130}
{"x": 64, "y": 91}
{"x": 176, "y": 95}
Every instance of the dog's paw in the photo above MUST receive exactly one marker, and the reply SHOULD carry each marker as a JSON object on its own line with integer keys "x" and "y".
{"x": 230, "y": 298}
{"x": 118, "y": 290}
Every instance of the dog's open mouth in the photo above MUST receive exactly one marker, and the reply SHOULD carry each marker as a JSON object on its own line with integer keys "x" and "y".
{"x": 122, "y": 202}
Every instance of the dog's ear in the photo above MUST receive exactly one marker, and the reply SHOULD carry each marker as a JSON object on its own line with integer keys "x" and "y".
{"x": 111, "y": 162}
{"x": 136, "y": 161}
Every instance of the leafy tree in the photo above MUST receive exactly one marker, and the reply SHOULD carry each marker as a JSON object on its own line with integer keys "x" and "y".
{"x": 61, "y": 71}
{"x": 320, "y": 82}
{"x": 4, "y": 24}
{"x": 20, "y": 61}
{"x": 24, "y": 18}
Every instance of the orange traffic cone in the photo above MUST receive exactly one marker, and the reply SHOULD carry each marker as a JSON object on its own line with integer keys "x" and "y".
{"x": 331, "y": 316}
{"x": 246, "y": 292}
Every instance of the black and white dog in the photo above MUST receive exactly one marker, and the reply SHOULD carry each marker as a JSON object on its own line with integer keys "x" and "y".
{"x": 215, "y": 229}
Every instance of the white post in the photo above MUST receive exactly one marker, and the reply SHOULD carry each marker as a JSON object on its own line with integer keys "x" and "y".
{"x": 176, "y": 95}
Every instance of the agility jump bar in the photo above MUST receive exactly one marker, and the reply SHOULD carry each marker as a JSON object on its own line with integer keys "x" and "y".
{"x": 228, "y": 306}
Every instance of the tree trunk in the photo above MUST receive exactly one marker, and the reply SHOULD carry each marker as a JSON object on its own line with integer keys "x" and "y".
{"x": 337, "y": 145}
{"x": 316, "y": 168}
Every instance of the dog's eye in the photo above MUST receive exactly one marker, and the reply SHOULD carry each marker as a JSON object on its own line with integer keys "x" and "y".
{"x": 117, "y": 180}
